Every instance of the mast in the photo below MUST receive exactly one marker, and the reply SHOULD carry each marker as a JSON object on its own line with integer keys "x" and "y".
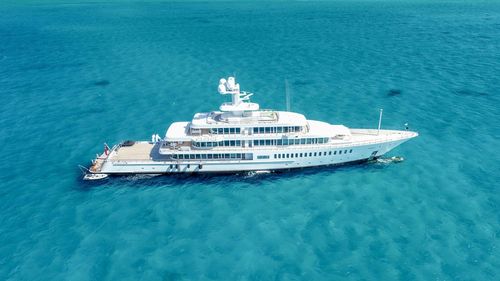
{"x": 238, "y": 98}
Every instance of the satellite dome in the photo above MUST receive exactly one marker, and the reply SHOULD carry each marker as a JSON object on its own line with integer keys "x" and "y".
{"x": 230, "y": 83}
{"x": 222, "y": 81}
{"x": 222, "y": 88}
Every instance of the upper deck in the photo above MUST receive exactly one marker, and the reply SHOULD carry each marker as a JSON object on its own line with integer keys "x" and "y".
{"x": 218, "y": 119}
{"x": 239, "y": 123}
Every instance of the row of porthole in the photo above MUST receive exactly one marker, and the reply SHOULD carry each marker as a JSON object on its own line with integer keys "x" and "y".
{"x": 311, "y": 154}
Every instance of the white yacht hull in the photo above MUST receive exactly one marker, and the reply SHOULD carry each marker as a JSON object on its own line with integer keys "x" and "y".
{"x": 371, "y": 148}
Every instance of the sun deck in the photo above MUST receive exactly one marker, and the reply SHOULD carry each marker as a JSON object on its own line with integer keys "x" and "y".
{"x": 138, "y": 151}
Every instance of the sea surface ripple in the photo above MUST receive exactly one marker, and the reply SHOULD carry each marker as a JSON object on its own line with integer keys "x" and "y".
{"x": 76, "y": 75}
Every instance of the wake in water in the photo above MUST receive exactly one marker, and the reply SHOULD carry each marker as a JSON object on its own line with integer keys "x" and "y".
{"x": 390, "y": 160}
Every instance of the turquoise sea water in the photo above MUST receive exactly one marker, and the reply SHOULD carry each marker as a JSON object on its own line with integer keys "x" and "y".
{"x": 76, "y": 75}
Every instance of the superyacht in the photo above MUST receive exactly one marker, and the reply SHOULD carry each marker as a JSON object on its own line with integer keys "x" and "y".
{"x": 241, "y": 137}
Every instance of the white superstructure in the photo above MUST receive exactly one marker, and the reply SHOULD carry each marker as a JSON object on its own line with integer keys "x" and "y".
{"x": 242, "y": 137}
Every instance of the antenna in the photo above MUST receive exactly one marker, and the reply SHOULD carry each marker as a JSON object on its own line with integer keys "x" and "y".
{"x": 287, "y": 93}
{"x": 380, "y": 121}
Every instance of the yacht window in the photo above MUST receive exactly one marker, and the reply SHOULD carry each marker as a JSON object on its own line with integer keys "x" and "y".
{"x": 320, "y": 153}
{"x": 226, "y": 130}
{"x": 226, "y": 143}
{"x": 268, "y": 130}
{"x": 297, "y": 129}
{"x": 315, "y": 154}
{"x": 279, "y": 129}
{"x": 263, "y": 157}
{"x": 261, "y": 130}
{"x": 296, "y": 155}
{"x": 329, "y": 153}
{"x": 275, "y": 156}
{"x": 335, "y": 152}
{"x": 301, "y": 155}
{"x": 232, "y": 143}
{"x": 255, "y": 142}
{"x": 302, "y": 141}
{"x": 279, "y": 142}
{"x": 345, "y": 151}
{"x": 238, "y": 155}
{"x": 198, "y": 156}
{"x": 310, "y": 154}
{"x": 203, "y": 156}
{"x": 285, "y": 142}
{"x": 261, "y": 142}
{"x": 209, "y": 156}
{"x": 233, "y": 155}
{"x": 268, "y": 142}
{"x": 279, "y": 155}
{"x": 237, "y": 130}
{"x": 350, "y": 151}
{"x": 285, "y": 129}
{"x": 255, "y": 130}
{"x": 340, "y": 151}
{"x": 320, "y": 140}
{"x": 309, "y": 141}
{"x": 226, "y": 155}
{"x": 238, "y": 143}
{"x": 191, "y": 156}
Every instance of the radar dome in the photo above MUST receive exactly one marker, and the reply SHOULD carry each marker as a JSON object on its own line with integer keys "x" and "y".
{"x": 222, "y": 81}
{"x": 222, "y": 88}
{"x": 230, "y": 83}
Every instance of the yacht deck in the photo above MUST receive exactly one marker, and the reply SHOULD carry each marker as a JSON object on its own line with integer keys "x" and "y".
{"x": 138, "y": 151}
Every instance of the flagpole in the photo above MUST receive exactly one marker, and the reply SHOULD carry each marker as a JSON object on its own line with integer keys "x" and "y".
{"x": 380, "y": 121}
